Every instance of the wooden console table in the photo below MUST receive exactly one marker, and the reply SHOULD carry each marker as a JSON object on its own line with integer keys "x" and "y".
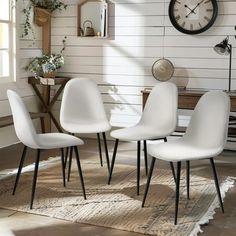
{"x": 46, "y": 100}
{"x": 187, "y": 100}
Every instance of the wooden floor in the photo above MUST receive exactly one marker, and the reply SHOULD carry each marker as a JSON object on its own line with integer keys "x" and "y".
{"x": 33, "y": 225}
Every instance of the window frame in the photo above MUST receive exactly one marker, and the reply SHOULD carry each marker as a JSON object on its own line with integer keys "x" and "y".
{"x": 11, "y": 43}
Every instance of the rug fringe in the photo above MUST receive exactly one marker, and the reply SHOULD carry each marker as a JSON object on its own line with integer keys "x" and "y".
{"x": 229, "y": 183}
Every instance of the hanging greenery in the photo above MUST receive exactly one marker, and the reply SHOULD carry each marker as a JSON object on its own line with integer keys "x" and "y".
{"x": 49, "y": 5}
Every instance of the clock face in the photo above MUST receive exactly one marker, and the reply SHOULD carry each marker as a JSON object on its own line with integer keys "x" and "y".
{"x": 193, "y": 16}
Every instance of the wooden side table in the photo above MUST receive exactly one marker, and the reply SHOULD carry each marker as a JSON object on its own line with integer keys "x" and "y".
{"x": 45, "y": 99}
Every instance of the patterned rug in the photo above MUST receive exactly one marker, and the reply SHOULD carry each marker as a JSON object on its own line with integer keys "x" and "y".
{"x": 117, "y": 206}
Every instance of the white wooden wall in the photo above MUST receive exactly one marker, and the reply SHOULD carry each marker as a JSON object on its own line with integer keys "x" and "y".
{"x": 140, "y": 33}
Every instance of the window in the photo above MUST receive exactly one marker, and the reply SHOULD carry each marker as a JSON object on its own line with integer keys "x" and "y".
{"x": 7, "y": 40}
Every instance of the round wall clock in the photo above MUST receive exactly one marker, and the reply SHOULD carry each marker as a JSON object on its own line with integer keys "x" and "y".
{"x": 193, "y": 16}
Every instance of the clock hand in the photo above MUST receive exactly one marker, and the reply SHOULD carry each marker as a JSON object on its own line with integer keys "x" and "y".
{"x": 191, "y": 11}
{"x": 195, "y": 8}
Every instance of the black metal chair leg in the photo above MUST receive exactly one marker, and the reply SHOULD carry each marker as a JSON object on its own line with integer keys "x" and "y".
{"x": 106, "y": 151}
{"x": 20, "y": 169}
{"x": 188, "y": 178}
{"x": 145, "y": 156}
{"x": 80, "y": 171}
{"x": 100, "y": 148}
{"x": 217, "y": 184}
{"x": 177, "y": 191}
{"x": 165, "y": 139}
{"x": 63, "y": 167}
{"x": 138, "y": 165}
{"x": 66, "y": 157}
{"x": 70, "y": 163}
{"x": 35, "y": 178}
{"x": 173, "y": 170}
{"x": 113, "y": 160}
{"x": 148, "y": 180}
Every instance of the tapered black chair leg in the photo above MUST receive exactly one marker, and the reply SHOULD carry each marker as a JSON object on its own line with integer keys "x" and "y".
{"x": 106, "y": 151}
{"x": 100, "y": 148}
{"x": 188, "y": 178}
{"x": 113, "y": 160}
{"x": 35, "y": 178}
{"x": 80, "y": 171}
{"x": 70, "y": 163}
{"x": 138, "y": 165}
{"x": 63, "y": 167}
{"x": 165, "y": 139}
{"x": 148, "y": 180}
{"x": 173, "y": 170}
{"x": 177, "y": 191}
{"x": 145, "y": 156}
{"x": 217, "y": 184}
{"x": 66, "y": 157}
{"x": 19, "y": 169}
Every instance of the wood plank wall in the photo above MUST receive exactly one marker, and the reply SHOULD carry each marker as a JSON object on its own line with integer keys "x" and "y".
{"x": 140, "y": 33}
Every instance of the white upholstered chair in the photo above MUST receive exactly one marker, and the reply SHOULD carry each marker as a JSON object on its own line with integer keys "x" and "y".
{"x": 205, "y": 138}
{"x": 82, "y": 112}
{"x": 158, "y": 121}
{"x": 26, "y": 133}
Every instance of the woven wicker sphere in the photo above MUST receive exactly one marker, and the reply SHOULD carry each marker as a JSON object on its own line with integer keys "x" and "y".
{"x": 162, "y": 69}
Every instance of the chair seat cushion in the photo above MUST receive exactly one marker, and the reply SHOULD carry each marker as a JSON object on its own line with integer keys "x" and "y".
{"x": 139, "y": 132}
{"x": 181, "y": 150}
{"x": 86, "y": 126}
{"x": 57, "y": 140}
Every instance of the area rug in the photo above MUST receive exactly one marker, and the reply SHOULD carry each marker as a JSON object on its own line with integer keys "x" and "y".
{"x": 117, "y": 205}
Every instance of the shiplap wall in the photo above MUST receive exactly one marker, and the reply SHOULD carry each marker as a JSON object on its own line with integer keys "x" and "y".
{"x": 140, "y": 33}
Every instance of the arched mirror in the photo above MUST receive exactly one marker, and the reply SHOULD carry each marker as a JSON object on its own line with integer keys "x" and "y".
{"x": 93, "y": 18}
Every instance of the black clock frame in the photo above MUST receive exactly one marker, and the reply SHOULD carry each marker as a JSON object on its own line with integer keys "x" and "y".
{"x": 185, "y": 31}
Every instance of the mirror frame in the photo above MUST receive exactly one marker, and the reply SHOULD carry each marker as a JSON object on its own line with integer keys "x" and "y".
{"x": 79, "y": 16}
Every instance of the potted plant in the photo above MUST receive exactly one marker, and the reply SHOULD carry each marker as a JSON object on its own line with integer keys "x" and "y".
{"x": 47, "y": 65}
{"x": 42, "y": 11}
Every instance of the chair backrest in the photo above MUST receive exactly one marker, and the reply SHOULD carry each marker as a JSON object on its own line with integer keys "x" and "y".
{"x": 82, "y": 101}
{"x": 161, "y": 107}
{"x": 24, "y": 127}
{"x": 208, "y": 126}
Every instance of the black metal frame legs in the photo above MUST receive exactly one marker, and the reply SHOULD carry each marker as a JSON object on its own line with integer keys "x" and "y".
{"x": 35, "y": 178}
{"x": 113, "y": 160}
{"x": 100, "y": 154}
{"x": 177, "y": 191}
{"x": 188, "y": 178}
{"x": 36, "y": 171}
{"x": 138, "y": 165}
{"x": 63, "y": 167}
{"x": 145, "y": 156}
{"x": 106, "y": 151}
{"x": 80, "y": 170}
{"x": 100, "y": 148}
{"x": 138, "y": 161}
{"x": 217, "y": 184}
{"x": 178, "y": 175}
{"x": 19, "y": 169}
{"x": 148, "y": 180}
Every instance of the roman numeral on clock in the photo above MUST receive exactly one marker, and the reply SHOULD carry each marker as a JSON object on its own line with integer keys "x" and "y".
{"x": 177, "y": 17}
